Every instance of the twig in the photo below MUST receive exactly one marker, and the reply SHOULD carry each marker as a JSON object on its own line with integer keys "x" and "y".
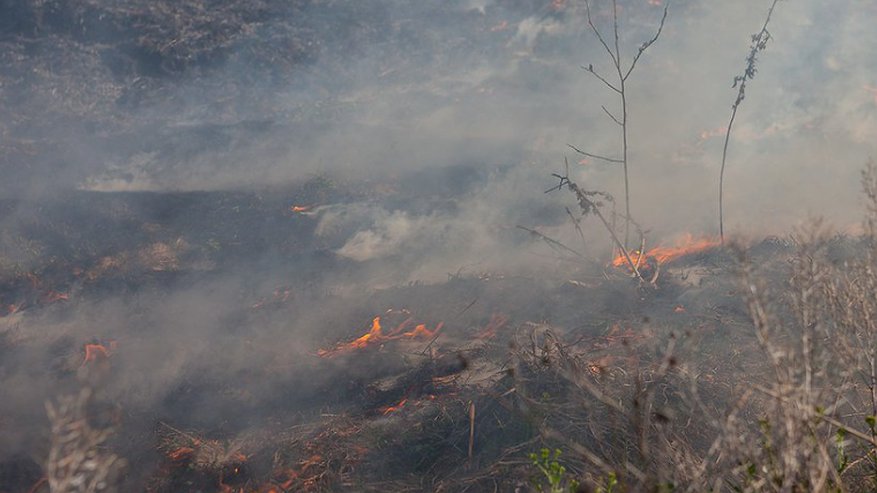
{"x": 828, "y": 419}
{"x": 471, "y": 428}
{"x": 647, "y": 44}
{"x": 595, "y": 156}
{"x": 550, "y": 241}
{"x": 614, "y": 119}
{"x": 438, "y": 333}
{"x": 578, "y": 225}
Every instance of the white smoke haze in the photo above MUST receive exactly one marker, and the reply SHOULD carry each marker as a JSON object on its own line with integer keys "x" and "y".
{"x": 515, "y": 86}
{"x": 420, "y": 136}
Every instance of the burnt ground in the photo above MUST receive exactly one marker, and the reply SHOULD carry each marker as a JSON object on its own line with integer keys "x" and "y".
{"x": 232, "y": 392}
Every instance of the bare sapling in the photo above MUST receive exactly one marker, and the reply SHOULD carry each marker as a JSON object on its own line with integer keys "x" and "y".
{"x": 617, "y": 83}
{"x": 759, "y": 44}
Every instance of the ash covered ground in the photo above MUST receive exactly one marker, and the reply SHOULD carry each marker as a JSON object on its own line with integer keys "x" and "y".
{"x": 256, "y": 246}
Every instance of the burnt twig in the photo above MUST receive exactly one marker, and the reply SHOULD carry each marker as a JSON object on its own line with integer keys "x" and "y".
{"x": 589, "y": 204}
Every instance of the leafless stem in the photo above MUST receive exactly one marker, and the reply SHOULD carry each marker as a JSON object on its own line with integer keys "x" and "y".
{"x": 759, "y": 43}
{"x": 614, "y": 119}
{"x": 595, "y": 156}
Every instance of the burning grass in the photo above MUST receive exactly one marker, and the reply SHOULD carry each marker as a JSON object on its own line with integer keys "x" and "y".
{"x": 655, "y": 385}
{"x": 376, "y": 336}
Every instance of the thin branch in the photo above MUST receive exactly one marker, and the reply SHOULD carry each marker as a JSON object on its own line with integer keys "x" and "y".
{"x": 577, "y": 223}
{"x": 645, "y": 46}
{"x": 590, "y": 69}
{"x": 615, "y": 30}
{"x": 595, "y": 156}
{"x": 611, "y": 115}
{"x": 633, "y": 266}
{"x": 597, "y": 33}
{"x": 550, "y": 241}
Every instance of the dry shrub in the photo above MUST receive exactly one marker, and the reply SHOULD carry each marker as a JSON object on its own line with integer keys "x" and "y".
{"x": 803, "y": 420}
{"x": 618, "y": 420}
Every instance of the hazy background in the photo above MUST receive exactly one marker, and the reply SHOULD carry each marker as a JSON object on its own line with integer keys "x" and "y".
{"x": 382, "y": 87}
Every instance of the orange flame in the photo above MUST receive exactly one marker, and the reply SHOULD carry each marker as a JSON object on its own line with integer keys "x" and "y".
{"x": 497, "y": 321}
{"x": 392, "y": 409}
{"x": 663, "y": 254}
{"x": 181, "y": 453}
{"x": 53, "y": 296}
{"x": 300, "y": 208}
{"x": 501, "y": 26}
{"x": 281, "y": 295}
{"x": 375, "y": 335}
{"x": 292, "y": 475}
{"x": 98, "y": 352}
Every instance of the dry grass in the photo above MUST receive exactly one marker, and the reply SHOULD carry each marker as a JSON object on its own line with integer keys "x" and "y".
{"x": 78, "y": 459}
{"x": 804, "y": 421}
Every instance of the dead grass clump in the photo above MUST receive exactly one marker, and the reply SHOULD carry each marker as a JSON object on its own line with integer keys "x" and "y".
{"x": 619, "y": 418}
{"x": 79, "y": 461}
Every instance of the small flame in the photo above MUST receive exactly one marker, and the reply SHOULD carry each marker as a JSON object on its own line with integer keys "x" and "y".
{"x": 497, "y": 321}
{"x": 662, "y": 254}
{"x": 872, "y": 90}
{"x": 375, "y": 335}
{"x": 281, "y": 295}
{"x": 501, "y": 26}
{"x": 713, "y": 132}
{"x": 292, "y": 475}
{"x": 392, "y": 409}
{"x": 298, "y": 209}
{"x": 181, "y": 453}
{"x": 53, "y": 296}
{"x": 98, "y": 352}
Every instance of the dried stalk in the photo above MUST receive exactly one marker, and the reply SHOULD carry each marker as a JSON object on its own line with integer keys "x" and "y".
{"x": 759, "y": 43}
